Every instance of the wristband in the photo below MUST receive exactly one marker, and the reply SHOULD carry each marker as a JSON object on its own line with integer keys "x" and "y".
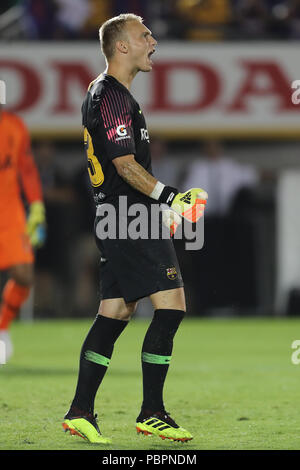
{"x": 167, "y": 195}
{"x": 158, "y": 189}
{"x": 163, "y": 194}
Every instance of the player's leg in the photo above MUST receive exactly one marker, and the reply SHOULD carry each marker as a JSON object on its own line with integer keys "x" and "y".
{"x": 16, "y": 255}
{"x": 169, "y": 309}
{"x": 169, "y": 299}
{"x": 157, "y": 349}
{"x": 117, "y": 309}
{"x": 15, "y": 293}
{"x": 113, "y": 316}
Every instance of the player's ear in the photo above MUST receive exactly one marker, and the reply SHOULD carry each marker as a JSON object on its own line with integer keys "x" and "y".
{"x": 122, "y": 47}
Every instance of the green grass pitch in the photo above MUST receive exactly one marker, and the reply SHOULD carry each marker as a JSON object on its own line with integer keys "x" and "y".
{"x": 231, "y": 382}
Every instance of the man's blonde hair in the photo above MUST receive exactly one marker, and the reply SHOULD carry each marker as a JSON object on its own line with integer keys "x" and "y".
{"x": 113, "y": 30}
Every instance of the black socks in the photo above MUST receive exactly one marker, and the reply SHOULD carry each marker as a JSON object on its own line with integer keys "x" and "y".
{"x": 156, "y": 356}
{"x": 97, "y": 350}
{"x": 95, "y": 356}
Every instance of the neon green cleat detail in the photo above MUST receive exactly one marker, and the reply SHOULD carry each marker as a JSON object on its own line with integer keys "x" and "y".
{"x": 85, "y": 428}
{"x": 160, "y": 424}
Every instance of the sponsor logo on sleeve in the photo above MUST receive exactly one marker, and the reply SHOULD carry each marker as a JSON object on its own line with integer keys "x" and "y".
{"x": 145, "y": 135}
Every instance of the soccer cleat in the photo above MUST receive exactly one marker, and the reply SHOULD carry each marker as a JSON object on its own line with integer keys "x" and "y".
{"x": 162, "y": 425}
{"x": 85, "y": 426}
{"x": 8, "y": 346}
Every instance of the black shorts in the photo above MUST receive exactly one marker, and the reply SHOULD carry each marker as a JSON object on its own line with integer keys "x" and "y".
{"x": 134, "y": 269}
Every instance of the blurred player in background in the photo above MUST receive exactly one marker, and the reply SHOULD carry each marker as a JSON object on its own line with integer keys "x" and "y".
{"x": 18, "y": 236}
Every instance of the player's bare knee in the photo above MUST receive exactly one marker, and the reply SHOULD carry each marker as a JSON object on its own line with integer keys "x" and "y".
{"x": 173, "y": 299}
{"x": 126, "y": 316}
{"x": 131, "y": 308}
{"x": 116, "y": 308}
{"x": 126, "y": 311}
{"x": 117, "y": 315}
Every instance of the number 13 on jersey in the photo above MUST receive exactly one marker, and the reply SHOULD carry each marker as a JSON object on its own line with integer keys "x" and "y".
{"x": 94, "y": 166}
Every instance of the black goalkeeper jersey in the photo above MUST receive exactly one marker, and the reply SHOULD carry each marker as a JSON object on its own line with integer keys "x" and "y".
{"x": 114, "y": 125}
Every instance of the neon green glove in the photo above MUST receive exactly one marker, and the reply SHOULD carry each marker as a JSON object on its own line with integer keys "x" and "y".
{"x": 36, "y": 224}
{"x": 190, "y": 204}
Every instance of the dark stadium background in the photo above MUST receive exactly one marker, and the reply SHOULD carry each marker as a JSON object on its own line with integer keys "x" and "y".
{"x": 249, "y": 264}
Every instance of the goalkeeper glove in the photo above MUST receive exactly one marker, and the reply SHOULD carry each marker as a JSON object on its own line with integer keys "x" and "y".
{"x": 36, "y": 224}
{"x": 189, "y": 205}
{"x": 171, "y": 220}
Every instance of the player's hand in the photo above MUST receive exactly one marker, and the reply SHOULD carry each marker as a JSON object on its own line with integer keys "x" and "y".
{"x": 36, "y": 224}
{"x": 190, "y": 204}
{"x": 171, "y": 220}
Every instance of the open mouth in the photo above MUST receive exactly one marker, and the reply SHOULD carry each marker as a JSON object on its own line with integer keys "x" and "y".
{"x": 150, "y": 54}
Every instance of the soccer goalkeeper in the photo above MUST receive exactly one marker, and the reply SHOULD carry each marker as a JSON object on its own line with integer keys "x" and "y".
{"x": 18, "y": 234}
{"x": 119, "y": 164}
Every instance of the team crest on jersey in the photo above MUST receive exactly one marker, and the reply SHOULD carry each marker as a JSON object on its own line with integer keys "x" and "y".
{"x": 171, "y": 273}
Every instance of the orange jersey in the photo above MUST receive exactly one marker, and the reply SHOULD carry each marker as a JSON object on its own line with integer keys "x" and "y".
{"x": 15, "y": 248}
{"x": 17, "y": 172}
